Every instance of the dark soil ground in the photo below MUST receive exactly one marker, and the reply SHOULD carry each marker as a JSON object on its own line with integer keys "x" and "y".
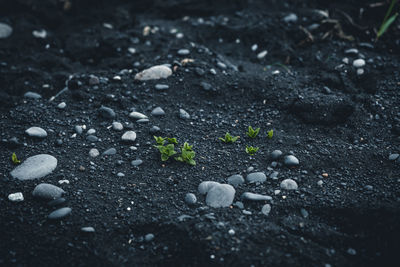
{"x": 346, "y": 131}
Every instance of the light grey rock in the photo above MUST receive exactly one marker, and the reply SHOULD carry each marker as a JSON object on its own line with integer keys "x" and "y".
{"x": 78, "y": 129}
{"x": 60, "y": 213}
{"x": 16, "y": 197}
{"x": 142, "y": 121}
{"x": 158, "y": 111}
{"x": 106, "y": 112}
{"x": 274, "y": 175}
{"x": 262, "y": 54}
{"x": 359, "y": 63}
{"x": 289, "y": 184}
{"x": 291, "y": 160}
{"x": 161, "y": 86}
{"x": 353, "y": 51}
{"x": 255, "y": 197}
{"x": 88, "y": 229}
{"x": 183, "y": 52}
{"x": 393, "y": 156}
{"x": 129, "y": 136}
{"x": 235, "y": 180}
{"x": 154, "y": 129}
{"x": 137, "y": 115}
{"x": 92, "y": 138}
{"x": 91, "y": 131}
{"x": 290, "y": 18}
{"x": 5, "y": 30}
{"x": 35, "y": 167}
{"x": 276, "y": 154}
{"x": 47, "y": 191}
{"x": 117, "y": 126}
{"x": 205, "y": 186}
{"x": 183, "y": 114}
{"x": 136, "y": 162}
{"x": 256, "y": 177}
{"x": 220, "y": 196}
{"x": 266, "y": 209}
{"x": 62, "y": 105}
{"x": 154, "y": 73}
{"x": 32, "y": 95}
{"x": 149, "y": 237}
{"x": 94, "y": 152}
{"x": 110, "y": 151}
{"x": 36, "y": 132}
{"x": 190, "y": 198}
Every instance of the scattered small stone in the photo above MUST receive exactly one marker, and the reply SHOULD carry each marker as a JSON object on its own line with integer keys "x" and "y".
{"x": 117, "y": 126}
{"x": 304, "y": 213}
{"x": 290, "y": 18}
{"x": 94, "y": 80}
{"x": 205, "y": 186}
{"x": 276, "y": 154}
{"x": 289, "y": 184}
{"x": 266, "y": 209}
{"x": 247, "y": 212}
{"x": 110, "y": 151}
{"x": 235, "y": 180}
{"x": 255, "y": 197}
{"x": 256, "y": 177}
{"x": 393, "y": 156}
{"x": 16, "y": 197}
{"x": 129, "y": 136}
{"x": 183, "y": 52}
{"x": 250, "y": 169}
{"x": 136, "y": 162}
{"x": 351, "y": 51}
{"x": 154, "y": 73}
{"x": 35, "y": 167}
{"x": 81, "y": 168}
{"x": 262, "y": 54}
{"x": 36, "y": 132}
{"x": 142, "y": 121}
{"x": 221, "y": 65}
{"x": 137, "y": 115}
{"x": 183, "y": 114}
{"x": 231, "y": 232}
{"x": 78, "y": 129}
{"x": 154, "y": 129}
{"x": 320, "y": 183}
{"x": 149, "y": 237}
{"x": 92, "y": 138}
{"x": 190, "y": 198}
{"x": 158, "y": 111}
{"x": 220, "y": 195}
{"x": 47, "y": 191}
{"x": 359, "y": 63}
{"x": 351, "y": 251}
{"x": 106, "y": 112}
{"x": 42, "y": 34}
{"x": 60, "y": 213}
{"x": 161, "y": 86}
{"x": 360, "y": 72}
{"x": 274, "y": 175}
{"x": 91, "y": 131}
{"x": 88, "y": 229}
{"x": 32, "y": 95}
{"x": 291, "y": 160}
{"x": 120, "y": 174}
{"x": 62, "y": 105}
{"x": 239, "y": 204}
{"x": 5, "y": 30}
{"x": 206, "y": 86}
{"x": 63, "y": 181}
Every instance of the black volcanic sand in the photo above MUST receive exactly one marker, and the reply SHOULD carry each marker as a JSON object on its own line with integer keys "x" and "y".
{"x": 334, "y": 121}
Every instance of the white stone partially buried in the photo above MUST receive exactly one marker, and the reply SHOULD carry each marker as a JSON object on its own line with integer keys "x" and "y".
{"x": 220, "y": 196}
{"x": 35, "y": 167}
{"x": 154, "y": 73}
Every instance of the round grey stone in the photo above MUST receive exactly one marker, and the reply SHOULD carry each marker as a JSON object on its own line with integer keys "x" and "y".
{"x": 158, "y": 111}
{"x": 276, "y": 154}
{"x": 117, "y": 126}
{"x": 35, "y": 167}
{"x": 110, "y": 151}
{"x": 60, "y": 213}
{"x": 149, "y": 237}
{"x": 94, "y": 152}
{"x": 32, "y": 95}
{"x": 289, "y": 184}
{"x": 92, "y": 138}
{"x": 129, "y": 136}
{"x": 47, "y": 191}
{"x": 190, "y": 198}
{"x": 359, "y": 63}
{"x": 36, "y": 132}
{"x": 256, "y": 177}
{"x": 154, "y": 129}
{"x": 291, "y": 160}
{"x": 62, "y": 105}
{"x": 220, "y": 196}
{"x": 235, "y": 180}
{"x": 106, "y": 112}
{"x": 205, "y": 186}
{"x": 393, "y": 156}
{"x": 78, "y": 129}
{"x": 255, "y": 197}
{"x": 266, "y": 209}
{"x": 5, "y": 30}
{"x": 183, "y": 114}
{"x": 136, "y": 162}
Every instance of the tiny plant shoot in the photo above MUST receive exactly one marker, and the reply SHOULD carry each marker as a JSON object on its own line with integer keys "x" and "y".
{"x": 14, "y": 159}
{"x": 159, "y": 140}
{"x": 187, "y": 154}
{"x": 251, "y": 150}
{"x": 166, "y": 151}
{"x": 229, "y": 138}
{"x": 252, "y": 133}
{"x": 270, "y": 134}
{"x": 172, "y": 141}
{"x": 388, "y": 20}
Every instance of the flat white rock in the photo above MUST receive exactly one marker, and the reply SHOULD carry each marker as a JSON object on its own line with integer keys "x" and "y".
{"x": 154, "y": 73}
{"x": 137, "y": 115}
{"x": 35, "y": 167}
{"x": 359, "y": 63}
{"x": 16, "y": 197}
{"x": 129, "y": 136}
{"x": 36, "y": 132}
{"x": 289, "y": 184}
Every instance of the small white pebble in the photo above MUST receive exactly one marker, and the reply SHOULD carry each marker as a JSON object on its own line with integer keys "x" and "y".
{"x": 262, "y": 54}
{"x": 16, "y": 197}
{"x": 320, "y": 183}
{"x": 359, "y": 63}
{"x": 254, "y": 47}
{"x": 62, "y": 105}
{"x": 231, "y": 232}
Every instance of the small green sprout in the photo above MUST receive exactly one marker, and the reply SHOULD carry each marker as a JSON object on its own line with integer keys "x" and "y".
{"x": 172, "y": 141}
{"x": 253, "y": 133}
{"x": 229, "y": 138}
{"x": 14, "y": 159}
{"x": 270, "y": 133}
{"x": 166, "y": 151}
{"x": 159, "y": 140}
{"x": 187, "y": 154}
{"x": 388, "y": 20}
{"x": 251, "y": 150}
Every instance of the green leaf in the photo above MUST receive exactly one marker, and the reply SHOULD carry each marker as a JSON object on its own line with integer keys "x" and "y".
{"x": 14, "y": 159}
{"x": 164, "y": 157}
{"x": 192, "y": 162}
{"x": 270, "y": 134}
{"x": 385, "y": 25}
{"x": 252, "y": 133}
{"x": 251, "y": 150}
{"x": 159, "y": 140}
{"x": 172, "y": 141}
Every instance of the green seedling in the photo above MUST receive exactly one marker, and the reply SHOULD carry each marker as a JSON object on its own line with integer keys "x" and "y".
{"x": 251, "y": 150}
{"x": 252, "y": 133}
{"x": 166, "y": 151}
{"x": 172, "y": 141}
{"x": 14, "y": 159}
{"x": 270, "y": 134}
{"x": 159, "y": 140}
{"x": 388, "y": 20}
{"x": 229, "y": 138}
{"x": 187, "y": 154}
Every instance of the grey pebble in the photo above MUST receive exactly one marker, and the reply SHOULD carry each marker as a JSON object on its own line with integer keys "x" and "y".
{"x": 110, "y": 151}
{"x": 158, "y": 111}
{"x": 106, "y": 112}
{"x": 266, "y": 209}
{"x": 256, "y": 177}
{"x": 183, "y": 114}
{"x": 136, "y": 162}
{"x": 255, "y": 197}
{"x": 32, "y": 95}
{"x": 60, "y": 213}
{"x": 220, "y": 196}
{"x": 291, "y": 160}
{"x": 35, "y": 167}
{"x": 235, "y": 180}
{"x": 276, "y": 154}
{"x": 289, "y": 184}
{"x": 190, "y": 198}
{"x": 36, "y": 132}
{"x": 47, "y": 191}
